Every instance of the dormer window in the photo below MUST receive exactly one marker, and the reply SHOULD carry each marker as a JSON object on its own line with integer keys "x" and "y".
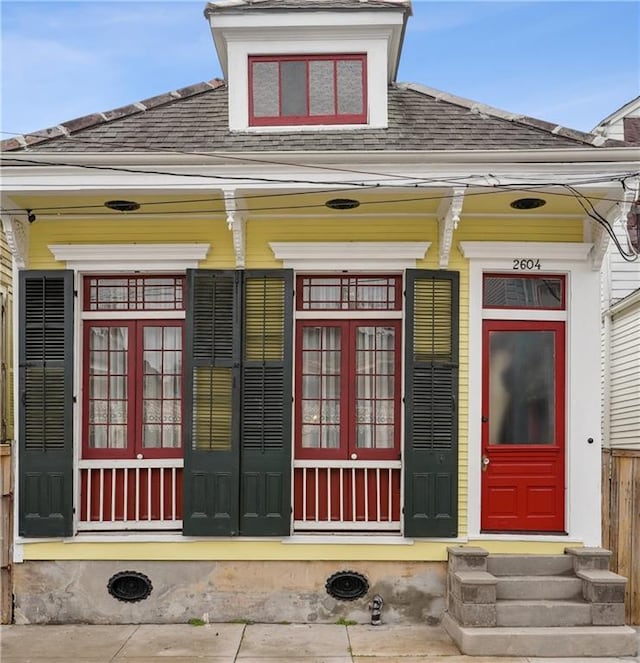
{"x": 308, "y": 89}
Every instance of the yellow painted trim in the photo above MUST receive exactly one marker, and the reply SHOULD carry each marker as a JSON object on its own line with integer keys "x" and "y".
{"x": 427, "y": 551}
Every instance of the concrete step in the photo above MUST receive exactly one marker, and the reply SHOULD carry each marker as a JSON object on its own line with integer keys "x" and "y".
{"x": 530, "y": 565}
{"x": 552, "y": 588}
{"x": 543, "y": 613}
{"x": 560, "y": 641}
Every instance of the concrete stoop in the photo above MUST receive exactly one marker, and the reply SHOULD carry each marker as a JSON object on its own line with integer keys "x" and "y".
{"x": 553, "y": 642}
{"x": 536, "y": 605}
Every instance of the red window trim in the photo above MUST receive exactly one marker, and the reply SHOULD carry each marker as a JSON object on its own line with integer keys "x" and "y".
{"x": 335, "y": 118}
{"x": 347, "y": 393}
{"x": 134, "y": 393}
{"x": 537, "y": 277}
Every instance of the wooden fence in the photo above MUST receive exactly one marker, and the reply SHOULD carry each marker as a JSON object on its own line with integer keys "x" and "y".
{"x": 621, "y": 521}
{"x": 6, "y": 534}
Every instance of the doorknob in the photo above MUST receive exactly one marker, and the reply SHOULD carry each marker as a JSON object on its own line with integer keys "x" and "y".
{"x": 354, "y": 456}
{"x": 485, "y": 463}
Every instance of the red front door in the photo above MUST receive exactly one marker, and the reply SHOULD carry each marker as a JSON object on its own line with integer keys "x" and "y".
{"x": 523, "y": 426}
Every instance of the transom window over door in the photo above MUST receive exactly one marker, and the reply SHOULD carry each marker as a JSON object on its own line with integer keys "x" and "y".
{"x": 307, "y": 89}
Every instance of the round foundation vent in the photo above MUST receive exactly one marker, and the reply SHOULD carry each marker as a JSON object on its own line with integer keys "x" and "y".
{"x": 347, "y": 585}
{"x": 129, "y": 586}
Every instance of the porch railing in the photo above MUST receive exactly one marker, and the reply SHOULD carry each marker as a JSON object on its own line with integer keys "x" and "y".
{"x": 346, "y": 495}
{"x": 131, "y": 494}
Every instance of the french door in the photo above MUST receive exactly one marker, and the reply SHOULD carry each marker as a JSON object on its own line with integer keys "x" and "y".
{"x": 348, "y": 423}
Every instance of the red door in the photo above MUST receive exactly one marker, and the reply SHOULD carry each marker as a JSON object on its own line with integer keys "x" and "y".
{"x": 523, "y": 426}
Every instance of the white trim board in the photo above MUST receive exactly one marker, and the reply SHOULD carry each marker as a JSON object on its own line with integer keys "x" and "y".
{"x": 508, "y": 250}
{"x": 130, "y": 257}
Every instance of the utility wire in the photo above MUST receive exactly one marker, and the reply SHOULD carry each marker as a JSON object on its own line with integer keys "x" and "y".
{"x": 283, "y": 208}
{"x": 593, "y": 213}
{"x": 359, "y": 186}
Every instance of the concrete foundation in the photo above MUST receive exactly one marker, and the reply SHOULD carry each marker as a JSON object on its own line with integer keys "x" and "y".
{"x": 68, "y": 592}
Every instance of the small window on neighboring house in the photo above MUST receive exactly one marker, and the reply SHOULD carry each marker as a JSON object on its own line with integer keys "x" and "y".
{"x": 311, "y": 89}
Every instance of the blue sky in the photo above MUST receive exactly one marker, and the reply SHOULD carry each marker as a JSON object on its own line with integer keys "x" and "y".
{"x": 567, "y": 62}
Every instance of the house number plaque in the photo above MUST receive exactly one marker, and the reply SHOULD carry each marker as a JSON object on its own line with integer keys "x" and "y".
{"x": 521, "y": 264}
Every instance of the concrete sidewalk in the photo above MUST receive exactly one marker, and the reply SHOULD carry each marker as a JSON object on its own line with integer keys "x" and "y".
{"x": 244, "y": 643}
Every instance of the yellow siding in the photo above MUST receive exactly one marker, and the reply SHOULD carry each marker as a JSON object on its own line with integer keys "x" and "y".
{"x": 458, "y": 263}
{"x": 519, "y": 230}
{"x": 130, "y": 231}
{"x": 260, "y": 233}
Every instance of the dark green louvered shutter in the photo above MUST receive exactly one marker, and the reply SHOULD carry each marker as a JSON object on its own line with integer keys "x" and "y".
{"x": 431, "y": 396}
{"x": 238, "y": 403}
{"x": 265, "y": 459}
{"x": 46, "y": 403}
{"x": 212, "y": 357}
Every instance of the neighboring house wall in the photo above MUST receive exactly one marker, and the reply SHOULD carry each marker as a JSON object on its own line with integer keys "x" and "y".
{"x": 624, "y": 374}
{"x": 620, "y": 277}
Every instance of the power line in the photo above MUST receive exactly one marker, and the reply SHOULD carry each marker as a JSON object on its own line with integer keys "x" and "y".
{"x": 492, "y": 189}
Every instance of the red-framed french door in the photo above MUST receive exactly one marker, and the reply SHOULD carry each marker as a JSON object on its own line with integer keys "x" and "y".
{"x": 523, "y": 426}
{"x": 347, "y": 441}
{"x": 132, "y": 424}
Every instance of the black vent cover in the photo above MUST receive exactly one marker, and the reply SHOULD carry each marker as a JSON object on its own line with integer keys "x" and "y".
{"x": 129, "y": 586}
{"x": 347, "y": 585}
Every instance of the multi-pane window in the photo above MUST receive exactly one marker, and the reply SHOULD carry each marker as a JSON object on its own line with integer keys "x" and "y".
{"x": 311, "y": 89}
{"x": 349, "y": 293}
{"x": 348, "y": 370}
{"x": 134, "y": 293}
{"x": 132, "y": 369}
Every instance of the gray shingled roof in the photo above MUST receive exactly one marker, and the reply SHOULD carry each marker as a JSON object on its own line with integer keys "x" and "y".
{"x": 305, "y": 5}
{"x": 194, "y": 119}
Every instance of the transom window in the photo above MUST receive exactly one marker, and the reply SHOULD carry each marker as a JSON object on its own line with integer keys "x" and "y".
{"x": 133, "y": 293}
{"x": 523, "y": 291}
{"x": 349, "y": 293}
{"x": 308, "y": 89}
